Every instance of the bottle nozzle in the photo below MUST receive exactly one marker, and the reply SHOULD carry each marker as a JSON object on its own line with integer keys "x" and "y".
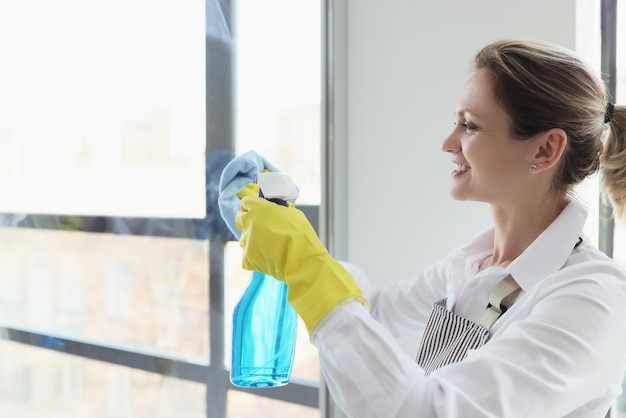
{"x": 276, "y": 185}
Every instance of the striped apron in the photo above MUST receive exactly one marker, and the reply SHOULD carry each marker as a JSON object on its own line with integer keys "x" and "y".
{"x": 448, "y": 337}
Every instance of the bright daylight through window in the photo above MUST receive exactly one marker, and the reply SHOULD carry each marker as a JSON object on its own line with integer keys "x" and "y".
{"x": 95, "y": 121}
{"x": 116, "y": 286}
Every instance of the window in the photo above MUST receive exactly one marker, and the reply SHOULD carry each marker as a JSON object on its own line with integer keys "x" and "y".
{"x": 116, "y": 118}
{"x": 619, "y": 241}
{"x": 619, "y": 249}
{"x": 101, "y": 111}
{"x": 610, "y": 233}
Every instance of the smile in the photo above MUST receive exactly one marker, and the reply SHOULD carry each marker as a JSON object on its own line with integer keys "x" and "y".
{"x": 462, "y": 168}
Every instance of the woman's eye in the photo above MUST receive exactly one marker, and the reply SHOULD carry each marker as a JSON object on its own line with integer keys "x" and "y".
{"x": 470, "y": 127}
{"x": 467, "y": 126}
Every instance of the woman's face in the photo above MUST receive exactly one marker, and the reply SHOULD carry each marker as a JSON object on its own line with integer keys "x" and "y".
{"x": 490, "y": 166}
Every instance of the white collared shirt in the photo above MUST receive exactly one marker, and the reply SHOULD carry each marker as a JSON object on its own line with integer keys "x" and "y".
{"x": 559, "y": 351}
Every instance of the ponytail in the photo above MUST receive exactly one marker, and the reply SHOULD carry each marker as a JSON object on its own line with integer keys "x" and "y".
{"x": 613, "y": 161}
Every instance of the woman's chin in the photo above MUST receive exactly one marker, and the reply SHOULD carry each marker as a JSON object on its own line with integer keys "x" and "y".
{"x": 459, "y": 195}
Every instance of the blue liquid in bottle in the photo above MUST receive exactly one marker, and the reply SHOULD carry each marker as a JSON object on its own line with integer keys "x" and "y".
{"x": 264, "y": 335}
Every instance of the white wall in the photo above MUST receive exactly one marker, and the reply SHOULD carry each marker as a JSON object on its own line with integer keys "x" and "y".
{"x": 397, "y": 81}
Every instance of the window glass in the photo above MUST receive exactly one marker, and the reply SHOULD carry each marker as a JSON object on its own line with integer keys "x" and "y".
{"x": 114, "y": 127}
{"x": 43, "y": 383}
{"x": 241, "y": 405}
{"x": 102, "y": 107}
{"x": 138, "y": 291}
{"x": 277, "y": 112}
{"x": 588, "y": 46}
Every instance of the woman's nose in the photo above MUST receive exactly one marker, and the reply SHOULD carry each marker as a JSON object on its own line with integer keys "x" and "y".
{"x": 452, "y": 143}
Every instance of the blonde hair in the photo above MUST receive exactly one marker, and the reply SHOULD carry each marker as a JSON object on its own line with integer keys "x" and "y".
{"x": 543, "y": 86}
{"x": 613, "y": 163}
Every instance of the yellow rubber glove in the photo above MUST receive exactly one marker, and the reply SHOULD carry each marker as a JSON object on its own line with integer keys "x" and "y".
{"x": 280, "y": 241}
{"x": 252, "y": 189}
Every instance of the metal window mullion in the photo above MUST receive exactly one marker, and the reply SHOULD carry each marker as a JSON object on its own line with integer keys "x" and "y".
{"x": 219, "y": 64}
{"x": 608, "y": 56}
{"x": 168, "y": 365}
{"x": 327, "y": 141}
{"x": 217, "y": 386}
{"x": 193, "y": 370}
{"x": 328, "y": 148}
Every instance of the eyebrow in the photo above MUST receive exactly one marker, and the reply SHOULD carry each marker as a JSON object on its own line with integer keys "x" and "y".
{"x": 461, "y": 112}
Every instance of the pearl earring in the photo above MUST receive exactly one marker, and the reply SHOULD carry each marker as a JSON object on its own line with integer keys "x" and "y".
{"x": 535, "y": 166}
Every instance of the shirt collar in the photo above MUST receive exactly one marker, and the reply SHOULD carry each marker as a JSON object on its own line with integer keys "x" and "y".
{"x": 551, "y": 249}
{"x": 545, "y": 255}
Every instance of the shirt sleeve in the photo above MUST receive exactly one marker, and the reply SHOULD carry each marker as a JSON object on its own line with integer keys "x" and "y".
{"x": 552, "y": 362}
{"x": 403, "y": 307}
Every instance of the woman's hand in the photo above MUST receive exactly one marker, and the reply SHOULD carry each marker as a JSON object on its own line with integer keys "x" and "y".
{"x": 280, "y": 241}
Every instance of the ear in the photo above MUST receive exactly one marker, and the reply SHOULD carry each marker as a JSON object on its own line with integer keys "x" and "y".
{"x": 549, "y": 148}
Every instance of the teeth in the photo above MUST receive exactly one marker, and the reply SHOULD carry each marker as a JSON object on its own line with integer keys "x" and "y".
{"x": 461, "y": 167}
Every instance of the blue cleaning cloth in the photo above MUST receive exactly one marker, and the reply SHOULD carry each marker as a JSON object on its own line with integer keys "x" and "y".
{"x": 237, "y": 175}
{"x": 213, "y": 226}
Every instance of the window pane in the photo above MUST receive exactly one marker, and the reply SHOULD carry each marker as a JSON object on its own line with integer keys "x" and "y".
{"x": 49, "y": 384}
{"x": 102, "y": 107}
{"x": 278, "y": 87}
{"x": 244, "y": 405}
{"x": 142, "y": 292}
{"x": 277, "y": 114}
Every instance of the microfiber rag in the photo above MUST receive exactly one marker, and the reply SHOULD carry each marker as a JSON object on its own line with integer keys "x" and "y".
{"x": 213, "y": 225}
{"x": 237, "y": 175}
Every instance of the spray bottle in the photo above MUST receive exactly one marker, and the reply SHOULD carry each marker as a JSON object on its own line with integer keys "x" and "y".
{"x": 264, "y": 323}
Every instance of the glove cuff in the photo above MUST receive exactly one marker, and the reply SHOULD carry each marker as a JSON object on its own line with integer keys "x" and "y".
{"x": 319, "y": 290}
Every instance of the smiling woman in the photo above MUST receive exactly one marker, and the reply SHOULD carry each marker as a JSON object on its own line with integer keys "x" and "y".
{"x": 126, "y": 312}
{"x": 530, "y": 300}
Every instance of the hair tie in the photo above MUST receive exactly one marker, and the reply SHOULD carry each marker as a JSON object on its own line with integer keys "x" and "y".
{"x": 610, "y": 111}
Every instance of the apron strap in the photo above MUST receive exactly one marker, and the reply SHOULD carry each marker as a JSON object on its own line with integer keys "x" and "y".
{"x": 500, "y": 299}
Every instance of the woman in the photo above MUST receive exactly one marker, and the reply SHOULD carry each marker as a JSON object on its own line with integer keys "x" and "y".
{"x": 526, "y": 320}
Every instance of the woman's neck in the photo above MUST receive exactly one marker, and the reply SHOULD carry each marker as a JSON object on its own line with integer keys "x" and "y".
{"x": 517, "y": 227}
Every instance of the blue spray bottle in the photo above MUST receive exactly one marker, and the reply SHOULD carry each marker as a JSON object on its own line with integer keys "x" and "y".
{"x": 264, "y": 324}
